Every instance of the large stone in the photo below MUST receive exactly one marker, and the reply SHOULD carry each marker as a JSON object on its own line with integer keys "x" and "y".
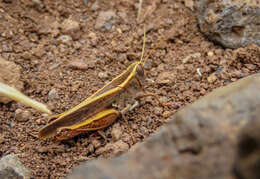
{"x": 248, "y": 155}
{"x": 11, "y": 167}
{"x": 198, "y": 142}
{"x": 231, "y": 23}
{"x": 10, "y": 75}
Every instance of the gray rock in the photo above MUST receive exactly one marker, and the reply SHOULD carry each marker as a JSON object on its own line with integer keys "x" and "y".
{"x": 230, "y": 23}
{"x": 105, "y": 20}
{"x": 53, "y": 94}
{"x": 198, "y": 142}
{"x": 11, "y": 168}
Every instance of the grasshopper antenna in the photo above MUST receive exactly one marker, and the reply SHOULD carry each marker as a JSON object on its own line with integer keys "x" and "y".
{"x": 139, "y": 9}
{"x": 152, "y": 51}
{"x": 142, "y": 56}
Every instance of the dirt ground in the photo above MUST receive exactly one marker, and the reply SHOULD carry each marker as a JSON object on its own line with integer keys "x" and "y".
{"x": 183, "y": 68}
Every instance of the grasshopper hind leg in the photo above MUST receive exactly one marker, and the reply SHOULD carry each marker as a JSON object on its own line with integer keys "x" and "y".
{"x": 101, "y": 120}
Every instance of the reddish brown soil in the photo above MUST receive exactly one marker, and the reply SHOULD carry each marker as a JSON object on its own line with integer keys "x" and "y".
{"x": 30, "y": 40}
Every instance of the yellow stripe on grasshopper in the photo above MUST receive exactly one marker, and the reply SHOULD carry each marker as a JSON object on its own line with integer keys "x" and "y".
{"x": 88, "y": 101}
{"x": 94, "y": 118}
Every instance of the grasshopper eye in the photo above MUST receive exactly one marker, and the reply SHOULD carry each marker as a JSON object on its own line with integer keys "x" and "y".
{"x": 140, "y": 71}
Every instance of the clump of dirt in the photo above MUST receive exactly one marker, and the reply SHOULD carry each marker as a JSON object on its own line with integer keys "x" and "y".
{"x": 65, "y": 57}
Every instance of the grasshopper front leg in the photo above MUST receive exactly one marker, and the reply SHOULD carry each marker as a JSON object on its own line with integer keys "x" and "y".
{"x": 99, "y": 121}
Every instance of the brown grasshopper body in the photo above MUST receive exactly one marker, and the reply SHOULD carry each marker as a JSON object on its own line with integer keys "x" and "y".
{"x": 87, "y": 115}
{"x": 102, "y": 108}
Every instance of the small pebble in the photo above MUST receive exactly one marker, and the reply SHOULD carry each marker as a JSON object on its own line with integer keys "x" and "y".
{"x": 45, "y": 115}
{"x": 96, "y": 143}
{"x": 164, "y": 99}
{"x": 166, "y": 114}
{"x": 210, "y": 53}
{"x": 251, "y": 66}
{"x": 122, "y": 15}
{"x": 39, "y": 121}
{"x": 90, "y": 148}
{"x": 212, "y": 78}
{"x": 85, "y": 2}
{"x": 78, "y": 65}
{"x": 105, "y": 20}
{"x": 22, "y": 116}
{"x": 149, "y": 122}
{"x": 103, "y": 75}
{"x": 203, "y": 91}
{"x": 27, "y": 56}
{"x": 119, "y": 30}
{"x": 1, "y": 139}
{"x": 134, "y": 126}
{"x": 95, "y": 6}
{"x": 55, "y": 65}
{"x": 113, "y": 148}
{"x": 53, "y": 95}
{"x": 37, "y": 2}
{"x": 92, "y": 35}
{"x": 191, "y": 56}
{"x": 164, "y": 78}
{"x": 169, "y": 21}
{"x": 64, "y": 39}
{"x": 198, "y": 71}
{"x": 158, "y": 110}
{"x": 116, "y": 132}
{"x": 107, "y": 26}
{"x": 69, "y": 26}
{"x": 189, "y": 4}
{"x": 149, "y": 64}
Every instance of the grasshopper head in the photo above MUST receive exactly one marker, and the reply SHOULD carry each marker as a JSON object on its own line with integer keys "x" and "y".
{"x": 140, "y": 75}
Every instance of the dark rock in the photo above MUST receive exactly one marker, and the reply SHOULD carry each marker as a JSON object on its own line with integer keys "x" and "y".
{"x": 198, "y": 142}
{"x": 231, "y": 23}
{"x": 248, "y": 155}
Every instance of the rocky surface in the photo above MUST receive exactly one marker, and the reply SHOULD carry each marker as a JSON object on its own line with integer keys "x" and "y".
{"x": 11, "y": 168}
{"x": 76, "y": 60}
{"x": 10, "y": 75}
{"x": 198, "y": 142}
{"x": 230, "y": 23}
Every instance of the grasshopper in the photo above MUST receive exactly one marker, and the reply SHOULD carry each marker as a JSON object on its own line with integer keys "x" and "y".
{"x": 103, "y": 107}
